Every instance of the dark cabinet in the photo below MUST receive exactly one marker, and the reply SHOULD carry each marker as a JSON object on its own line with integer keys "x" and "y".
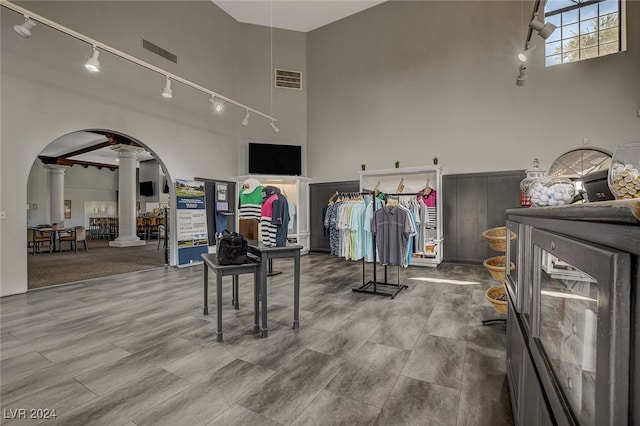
{"x": 572, "y": 318}
{"x": 473, "y": 203}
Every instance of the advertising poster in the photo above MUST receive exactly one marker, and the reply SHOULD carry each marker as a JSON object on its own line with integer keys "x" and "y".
{"x": 191, "y": 221}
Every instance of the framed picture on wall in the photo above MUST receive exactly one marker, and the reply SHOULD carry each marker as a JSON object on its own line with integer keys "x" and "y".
{"x": 67, "y": 209}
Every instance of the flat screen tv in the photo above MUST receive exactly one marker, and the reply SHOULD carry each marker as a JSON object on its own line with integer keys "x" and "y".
{"x": 146, "y": 188}
{"x": 271, "y": 159}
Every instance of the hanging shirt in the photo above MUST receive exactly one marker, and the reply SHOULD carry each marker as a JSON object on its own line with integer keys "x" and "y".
{"x": 331, "y": 221}
{"x": 392, "y": 226}
{"x": 356, "y": 225}
{"x": 292, "y": 217}
{"x": 267, "y": 229}
{"x": 280, "y": 219}
{"x": 411, "y": 235}
{"x": 369, "y": 248}
{"x": 250, "y": 204}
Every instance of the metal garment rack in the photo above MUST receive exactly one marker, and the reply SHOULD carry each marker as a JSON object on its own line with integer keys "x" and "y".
{"x": 371, "y": 287}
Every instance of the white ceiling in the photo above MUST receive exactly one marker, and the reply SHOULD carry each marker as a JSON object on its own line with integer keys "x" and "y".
{"x": 80, "y": 140}
{"x": 296, "y": 15}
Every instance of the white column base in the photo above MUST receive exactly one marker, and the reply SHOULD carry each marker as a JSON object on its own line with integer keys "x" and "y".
{"x": 122, "y": 242}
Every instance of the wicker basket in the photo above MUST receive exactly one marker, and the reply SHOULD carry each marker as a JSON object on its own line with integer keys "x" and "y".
{"x": 497, "y": 266}
{"x": 492, "y": 295}
{"x": 497, "y": 238}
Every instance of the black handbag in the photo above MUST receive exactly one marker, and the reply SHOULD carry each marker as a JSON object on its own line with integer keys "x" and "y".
{"x": 231, "y": 248}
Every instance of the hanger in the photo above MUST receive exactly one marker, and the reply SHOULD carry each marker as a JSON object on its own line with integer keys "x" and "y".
{"x": 427, "y": 188}
{"x": 400, "y": 186}
{"x": 330, "y": 202}
{"x": 376, "y": 190}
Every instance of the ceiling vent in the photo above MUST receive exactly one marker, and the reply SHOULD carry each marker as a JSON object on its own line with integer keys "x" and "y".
{"x": 159, "y": 51}
{"x": 289, "y": 79}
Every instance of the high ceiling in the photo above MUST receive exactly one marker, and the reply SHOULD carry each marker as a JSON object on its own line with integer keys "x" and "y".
{"x": 296, "y": 15}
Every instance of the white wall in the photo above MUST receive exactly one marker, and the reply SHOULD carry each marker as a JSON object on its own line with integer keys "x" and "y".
{"x": 289, "y": 53}
{"x": 47, "y": 94}
{"x": 80, "y": 185}
{"x": 410, "y": 80}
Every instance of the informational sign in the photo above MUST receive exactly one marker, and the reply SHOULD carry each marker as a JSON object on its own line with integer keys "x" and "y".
{"x": 221, "y": 198}
{"x": 191, "y": 221}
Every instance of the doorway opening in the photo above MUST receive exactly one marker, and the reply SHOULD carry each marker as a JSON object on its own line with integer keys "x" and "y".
{"x": 83, "y": 168}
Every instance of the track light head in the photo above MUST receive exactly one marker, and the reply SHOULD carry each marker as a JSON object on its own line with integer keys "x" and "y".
{"x": 24, "y": 29}
{"x": 167, "y": 92}
{"x": 93, "y": 64}
{"x": 544, "y": 30}
{"x": 274, "y": 127}
{"x": 245, "y": 120}
{"x": 521, "y": 80}
{"x": 216, "y": 105}
{"x": 526, "y": 55}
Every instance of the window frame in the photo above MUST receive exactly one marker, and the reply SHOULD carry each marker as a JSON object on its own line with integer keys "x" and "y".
{"x": 621, "y": 32}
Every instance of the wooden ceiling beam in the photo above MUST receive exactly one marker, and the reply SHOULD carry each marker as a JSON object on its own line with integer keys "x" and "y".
{"x": 70, "y": 163}
{"x": 87, "y": 149}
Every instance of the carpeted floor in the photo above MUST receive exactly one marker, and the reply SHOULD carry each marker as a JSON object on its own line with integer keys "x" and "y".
{"x": 46, "y": 269}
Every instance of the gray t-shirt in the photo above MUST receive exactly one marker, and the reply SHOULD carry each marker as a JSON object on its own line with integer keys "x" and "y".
{"x": 392, "y": 226}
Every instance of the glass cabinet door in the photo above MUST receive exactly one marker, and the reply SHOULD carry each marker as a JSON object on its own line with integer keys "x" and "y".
{"x": 568, "y": 331}
{"x": 518, "y": 280}
{"x": 579, "y": 308}
{"x": 512, "y": 258}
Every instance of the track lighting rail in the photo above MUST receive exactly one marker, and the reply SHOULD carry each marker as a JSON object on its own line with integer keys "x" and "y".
{"x": 123, "y": 55}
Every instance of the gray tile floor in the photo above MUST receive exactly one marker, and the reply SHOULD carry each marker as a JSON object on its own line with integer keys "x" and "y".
{"x": 136, "y": 349}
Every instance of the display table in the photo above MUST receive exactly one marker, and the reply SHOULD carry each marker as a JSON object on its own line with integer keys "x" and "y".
{"x": 265, "y": 254}
{"x": 211, "y": 262}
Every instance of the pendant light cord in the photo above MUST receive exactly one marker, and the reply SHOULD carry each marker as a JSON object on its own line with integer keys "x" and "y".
{"x": 271, "y": 59}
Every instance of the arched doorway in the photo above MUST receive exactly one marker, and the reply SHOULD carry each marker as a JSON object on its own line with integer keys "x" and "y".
{"x": 88, "y": 166}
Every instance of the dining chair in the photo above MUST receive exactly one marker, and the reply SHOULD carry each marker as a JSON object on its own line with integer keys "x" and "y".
{"x": 81, "y": 235}
{"x": 67, "y": 235}
{"x": 39, "y": 238}
{"x": 162, "y": 234}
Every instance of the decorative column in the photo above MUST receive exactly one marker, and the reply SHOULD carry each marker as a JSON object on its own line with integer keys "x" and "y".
{"x": 127, "y": 237}
{"x": 56, "y": 194}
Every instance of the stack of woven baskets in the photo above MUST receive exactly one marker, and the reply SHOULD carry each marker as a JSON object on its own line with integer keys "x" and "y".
{"x": 497, "y": 266}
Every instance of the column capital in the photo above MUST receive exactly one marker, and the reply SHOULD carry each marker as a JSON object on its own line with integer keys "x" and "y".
{"x": 127, "y": 151}
{"x": 56, "y": 168}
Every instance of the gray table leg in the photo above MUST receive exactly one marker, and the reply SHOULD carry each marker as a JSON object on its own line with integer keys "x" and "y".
{"x": 296, "y": 291}
{"x": 219, "y": 304}
{"x": 206, "y": 289}
{"x": 263, "y": 292}
{"x": 236, "y": 298}
{"x": 256, "y": 301}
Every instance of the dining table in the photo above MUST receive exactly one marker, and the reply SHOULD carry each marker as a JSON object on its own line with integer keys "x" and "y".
{"x": 55, "y": 233}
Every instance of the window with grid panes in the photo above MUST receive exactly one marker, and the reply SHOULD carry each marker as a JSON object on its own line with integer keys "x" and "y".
{"x": 585, "y": 29}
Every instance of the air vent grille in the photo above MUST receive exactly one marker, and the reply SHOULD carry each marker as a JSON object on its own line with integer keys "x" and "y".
{"x": 287, "y": 79}
{"x": 159, "y": 51}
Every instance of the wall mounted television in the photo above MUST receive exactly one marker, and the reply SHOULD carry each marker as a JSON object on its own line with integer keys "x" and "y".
{"x": 146, "y": 188}
{"x": 271, "y": 159}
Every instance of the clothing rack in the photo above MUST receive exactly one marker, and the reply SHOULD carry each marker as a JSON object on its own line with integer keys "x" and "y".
{"x": 371, "y": 287}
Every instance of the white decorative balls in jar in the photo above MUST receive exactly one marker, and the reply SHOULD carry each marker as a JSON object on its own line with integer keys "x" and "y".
{"x": 548, "y": 191}
{"x": 624, "y": 174}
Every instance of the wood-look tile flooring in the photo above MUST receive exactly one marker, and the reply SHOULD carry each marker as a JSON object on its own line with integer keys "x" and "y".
{"x": 136, "y": 349}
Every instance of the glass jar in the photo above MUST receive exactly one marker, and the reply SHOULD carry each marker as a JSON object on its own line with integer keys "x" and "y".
{"x": 546, "y": 191}
{"x": 532, "y": 174}
{"x": 624, "y": 173}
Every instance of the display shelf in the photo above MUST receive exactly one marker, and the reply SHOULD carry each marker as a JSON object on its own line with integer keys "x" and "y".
{"x": 296, "y": 190}
{"x": 411, "y": 180}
